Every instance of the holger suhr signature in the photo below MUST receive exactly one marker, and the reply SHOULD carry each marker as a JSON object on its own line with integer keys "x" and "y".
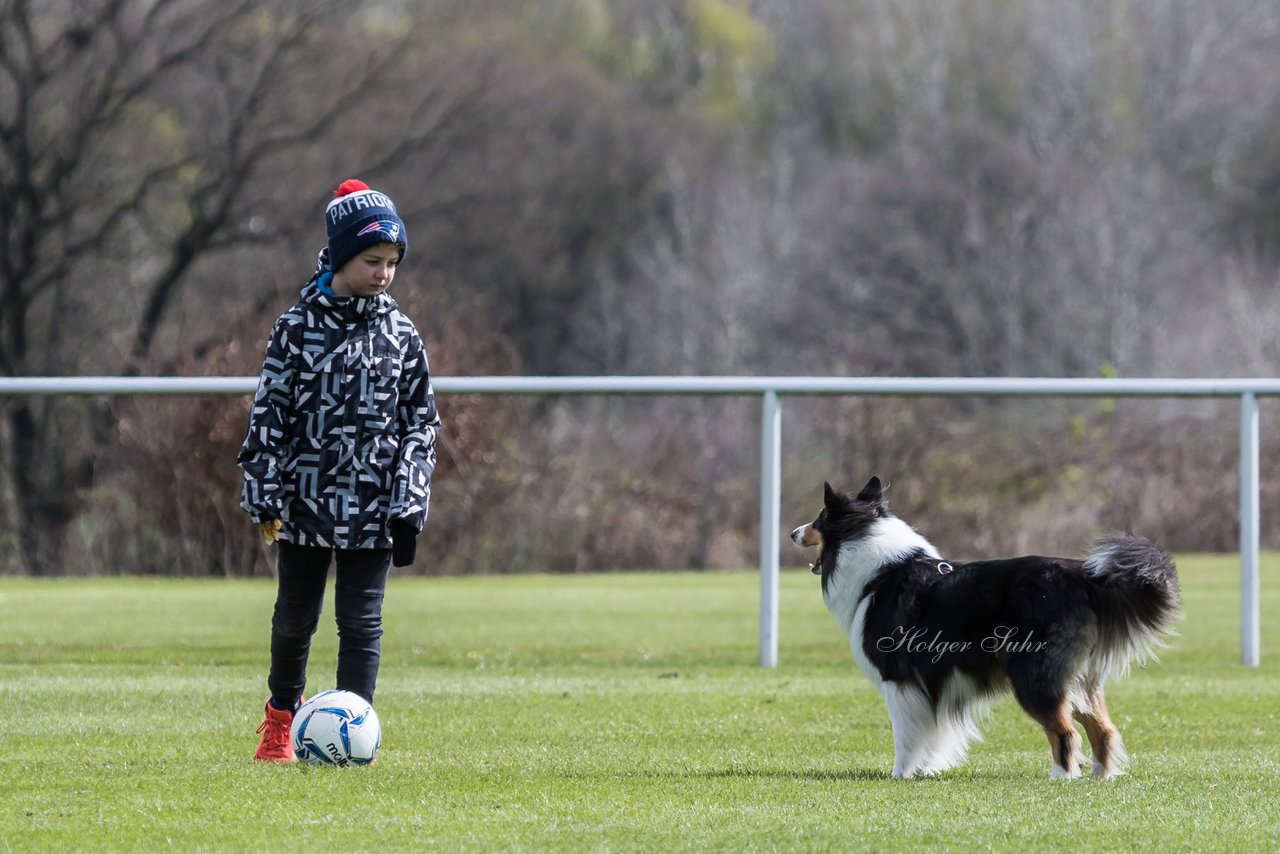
{"x": 916, "y": 640}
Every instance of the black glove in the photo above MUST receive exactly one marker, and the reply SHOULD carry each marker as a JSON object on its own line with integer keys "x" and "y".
{"x": 404, "y": 542}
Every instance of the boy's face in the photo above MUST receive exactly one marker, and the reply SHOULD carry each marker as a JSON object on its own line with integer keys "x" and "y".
{"x": 369, "y": 273}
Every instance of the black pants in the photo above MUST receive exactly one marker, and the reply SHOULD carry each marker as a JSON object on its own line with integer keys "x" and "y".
{"x": 361, "y": 581}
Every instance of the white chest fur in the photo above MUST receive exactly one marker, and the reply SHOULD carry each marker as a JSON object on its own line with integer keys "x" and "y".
{"x": 857, "y": 562}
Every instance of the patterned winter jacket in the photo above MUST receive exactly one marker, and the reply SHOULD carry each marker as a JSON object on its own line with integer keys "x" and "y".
{"x": 342, "y": 436}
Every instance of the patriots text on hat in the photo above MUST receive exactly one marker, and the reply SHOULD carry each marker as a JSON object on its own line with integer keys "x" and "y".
{"x": 346, "y": 205}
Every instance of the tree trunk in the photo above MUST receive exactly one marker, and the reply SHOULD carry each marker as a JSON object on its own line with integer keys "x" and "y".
{"x": 42, "y": 515}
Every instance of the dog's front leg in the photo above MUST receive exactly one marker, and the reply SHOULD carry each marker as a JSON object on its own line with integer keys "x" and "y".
{"x": 914, "y": 722}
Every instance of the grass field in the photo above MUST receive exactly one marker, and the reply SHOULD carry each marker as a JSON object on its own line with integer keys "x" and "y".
{"x": 589, "y": 713}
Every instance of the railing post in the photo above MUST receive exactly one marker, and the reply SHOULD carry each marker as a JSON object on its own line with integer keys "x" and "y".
{"x": 770, "y": 523}
{"x": 1250, "y": 537}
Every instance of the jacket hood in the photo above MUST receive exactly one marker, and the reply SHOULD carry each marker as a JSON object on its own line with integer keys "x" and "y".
{"x": 346, "y": 308}
{"x": 349, "y": 308}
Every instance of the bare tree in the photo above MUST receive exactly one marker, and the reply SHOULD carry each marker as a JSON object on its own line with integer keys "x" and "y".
{"x": 134, "y": 139}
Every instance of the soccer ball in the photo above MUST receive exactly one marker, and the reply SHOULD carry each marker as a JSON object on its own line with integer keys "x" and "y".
{"x": 336, "y": 728}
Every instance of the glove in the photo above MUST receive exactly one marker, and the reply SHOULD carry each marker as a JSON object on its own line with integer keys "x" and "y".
{"x": 270, "y": 530}
{"x": 404, "y": 542}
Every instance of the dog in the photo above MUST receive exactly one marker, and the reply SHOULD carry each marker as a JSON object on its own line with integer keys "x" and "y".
{"x": 941, "y": 639}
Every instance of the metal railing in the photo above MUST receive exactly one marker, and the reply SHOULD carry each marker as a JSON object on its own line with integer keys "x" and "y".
{"x": 769, "y": 390}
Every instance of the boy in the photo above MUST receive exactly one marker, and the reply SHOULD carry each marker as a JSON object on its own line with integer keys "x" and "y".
{"x": 340, "y": 451}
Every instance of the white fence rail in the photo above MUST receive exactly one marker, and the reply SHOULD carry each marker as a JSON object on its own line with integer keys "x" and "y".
{"x": 769, "y": 389}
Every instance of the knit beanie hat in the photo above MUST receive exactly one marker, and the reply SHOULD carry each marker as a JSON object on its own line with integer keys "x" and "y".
{"x": 358, "y": 218}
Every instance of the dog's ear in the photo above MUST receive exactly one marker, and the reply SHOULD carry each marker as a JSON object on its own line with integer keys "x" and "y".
{"x": 873, "y": 492}
{"x": 829, "y": 495}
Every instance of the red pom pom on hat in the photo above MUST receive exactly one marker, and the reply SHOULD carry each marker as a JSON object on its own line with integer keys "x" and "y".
{"x": 349, "y": 186}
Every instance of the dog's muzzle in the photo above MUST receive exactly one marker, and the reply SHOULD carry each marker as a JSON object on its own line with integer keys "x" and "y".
{"x": 807, "y": 537}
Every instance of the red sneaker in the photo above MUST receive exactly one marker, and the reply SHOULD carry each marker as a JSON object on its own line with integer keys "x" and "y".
{"x": 275, "y": 746}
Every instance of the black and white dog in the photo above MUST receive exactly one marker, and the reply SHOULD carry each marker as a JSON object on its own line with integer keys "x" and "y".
{"x": 939, "y": 638}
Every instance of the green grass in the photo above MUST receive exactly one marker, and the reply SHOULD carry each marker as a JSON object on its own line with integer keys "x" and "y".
{"x": 621, "y": 712}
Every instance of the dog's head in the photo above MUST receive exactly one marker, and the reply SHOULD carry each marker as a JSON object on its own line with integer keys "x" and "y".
{"x": 843, "y": 518}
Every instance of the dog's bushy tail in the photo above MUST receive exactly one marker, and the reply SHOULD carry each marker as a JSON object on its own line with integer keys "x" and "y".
{"x": 1134, "y": 593}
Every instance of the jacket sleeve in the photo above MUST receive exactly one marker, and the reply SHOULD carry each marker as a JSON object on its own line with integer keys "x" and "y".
{"x": 265, "y": 447}
{"x": 419, "y": 423}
